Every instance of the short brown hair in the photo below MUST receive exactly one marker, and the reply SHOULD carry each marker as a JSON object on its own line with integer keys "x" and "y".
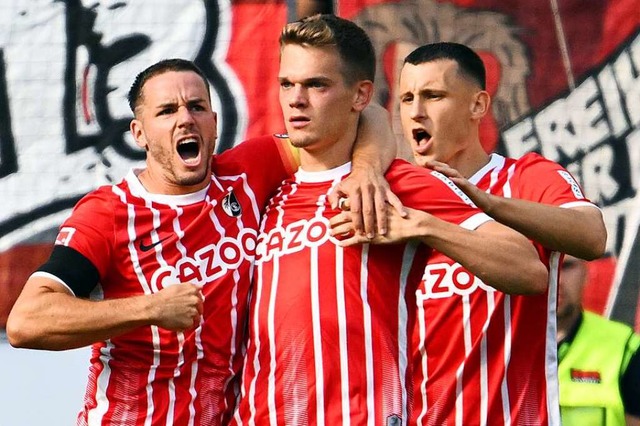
{"x": 351, "y": 41}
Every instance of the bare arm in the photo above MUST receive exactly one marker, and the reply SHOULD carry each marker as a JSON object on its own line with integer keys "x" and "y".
{"x": 366, "y": 187}
{"x": 47, "y": 316}
{"x": 499, "y": 256}
{"x": 578, "y": 231}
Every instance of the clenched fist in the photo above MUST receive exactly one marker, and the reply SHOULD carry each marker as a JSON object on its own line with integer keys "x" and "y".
{"x": 177, "y": 307}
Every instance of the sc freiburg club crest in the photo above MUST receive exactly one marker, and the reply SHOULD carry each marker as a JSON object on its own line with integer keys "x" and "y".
{"x": 231, "y": 206}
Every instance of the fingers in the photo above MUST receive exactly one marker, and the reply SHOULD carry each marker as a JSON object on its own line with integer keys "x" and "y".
{"x": 365, "y": 221}
{"x": 443, "y": 168}
{"x": 365, "y": 196}
{"x": 193, "y": 308}
{"x": 461, "y": 182}
{"x": 355, "y": 206}
{"x": 396, "y": 203}
{"x": 343, "y": 204}
{"x": 342, "y": 231}
{"x": 381, "y": 212}
{"x": 369, "y": 212}
{"x": 200, "y": 304}
{"x": 180, "y": 306}
{"x": 353, "y": 240}
{"x": 339, "y": 219}
{"x": 336, "y": 195}
{"x": 381, "y": 216}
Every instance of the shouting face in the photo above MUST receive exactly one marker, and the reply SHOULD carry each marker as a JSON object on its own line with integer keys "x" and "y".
{"x": 177, "y": 127}
{"x": 439, "y": 111}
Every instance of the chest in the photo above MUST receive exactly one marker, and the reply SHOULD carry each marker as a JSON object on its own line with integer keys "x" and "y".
{"x": 157, "y": 245}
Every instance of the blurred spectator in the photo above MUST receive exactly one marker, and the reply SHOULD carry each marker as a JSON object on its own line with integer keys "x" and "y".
{"x": 599, "y": 361}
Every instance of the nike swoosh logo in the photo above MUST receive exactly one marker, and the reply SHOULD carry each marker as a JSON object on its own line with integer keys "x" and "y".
{"x": 145, "y": 247}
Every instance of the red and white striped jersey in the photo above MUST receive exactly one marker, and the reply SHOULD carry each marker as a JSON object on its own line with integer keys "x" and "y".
{"x": 483, "y": 357}
{"x": 142, "y": 242}
{"x": 329, "y": 340}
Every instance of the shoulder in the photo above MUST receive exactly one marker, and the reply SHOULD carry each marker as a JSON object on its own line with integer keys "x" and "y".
{"x": 101, "y": 198}
{"x": 533, "y": 162}
{"x": 94, "y": 215}
{"x": 405, "y": 177}
{"x": 401, "y": 169}
{"x": 403, "y": 173}
{"x": 244, "y": 148}
{"x": 540, "y": 179}
{"x": 259, "y": 153}
{"x": 411, "y": 183}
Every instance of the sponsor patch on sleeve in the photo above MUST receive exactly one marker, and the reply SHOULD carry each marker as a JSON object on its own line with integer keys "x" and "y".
{"x": 575, "y": 188}
{"x": 453, "y": 187}
{"x": 64, "y": 236}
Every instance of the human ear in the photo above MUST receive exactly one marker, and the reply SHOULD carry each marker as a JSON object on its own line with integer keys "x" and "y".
{"x": 363, "y": 95}
{"x": 480, "y": 105}
{"x": 135, "y": 127}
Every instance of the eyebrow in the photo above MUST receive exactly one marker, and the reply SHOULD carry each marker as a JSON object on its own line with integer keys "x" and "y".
{"x": 317, "y": 79}
{"x": 173, "y": 103}
{"x": 424, "y": 91}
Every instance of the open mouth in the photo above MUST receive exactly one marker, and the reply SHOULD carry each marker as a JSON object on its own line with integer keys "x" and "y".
{"x": 421, "y": 136}
{"x": 189, "y": 150}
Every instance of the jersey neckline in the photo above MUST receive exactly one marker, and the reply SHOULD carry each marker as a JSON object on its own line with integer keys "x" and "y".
{"x": 138, "y": 190}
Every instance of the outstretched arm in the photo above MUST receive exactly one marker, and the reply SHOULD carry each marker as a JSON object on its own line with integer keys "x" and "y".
{"x": 578, "y": 231}
{"x": 498, "y": 255}
{"x": 366, "y": 188}
{"x": 47, "y": 316}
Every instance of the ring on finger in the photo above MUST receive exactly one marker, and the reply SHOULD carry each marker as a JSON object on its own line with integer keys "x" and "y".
{"x": 341, "y": 203}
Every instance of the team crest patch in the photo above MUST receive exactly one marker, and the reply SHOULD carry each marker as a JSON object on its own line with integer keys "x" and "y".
{"x": 582, "y": 376}
{"x": 231, "y": 206}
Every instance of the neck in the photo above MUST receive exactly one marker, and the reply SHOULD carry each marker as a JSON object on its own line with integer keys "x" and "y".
{"x": 566, "y": 323}
{"x": 314, "y": 164}
{"x": 470, "y": 160}
{"x": 328, "y": 155}
{"x": 155, "y": 184}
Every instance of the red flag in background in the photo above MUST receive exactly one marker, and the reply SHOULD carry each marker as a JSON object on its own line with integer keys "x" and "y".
{"x": 253, "y": 54}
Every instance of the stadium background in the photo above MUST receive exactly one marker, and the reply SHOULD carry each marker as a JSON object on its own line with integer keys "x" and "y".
{"x": 564, "y": 76}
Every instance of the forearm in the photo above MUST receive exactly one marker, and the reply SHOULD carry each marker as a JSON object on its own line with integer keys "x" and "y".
{"x": 366, "y": 187}
{"x": 497, "y": 255}
{"x": 55, "y": 320}
{"x": 375, "y": 146}
{"x": 578, "y": 231}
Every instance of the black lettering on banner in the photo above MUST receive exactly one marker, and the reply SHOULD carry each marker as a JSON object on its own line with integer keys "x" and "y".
{"x": 8, "y": 159}
{"x": 594, "y": 132}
